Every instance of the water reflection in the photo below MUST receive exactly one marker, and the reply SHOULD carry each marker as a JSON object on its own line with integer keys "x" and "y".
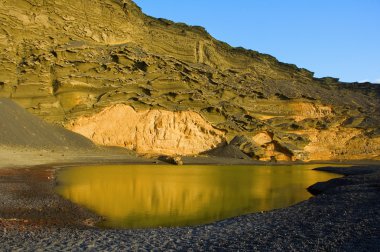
{"x": 151, "y": 196}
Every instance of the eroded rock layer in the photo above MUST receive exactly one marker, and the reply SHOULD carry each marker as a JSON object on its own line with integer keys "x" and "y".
{"x": 149, "y": 131}
{"x": 67, "y": 60}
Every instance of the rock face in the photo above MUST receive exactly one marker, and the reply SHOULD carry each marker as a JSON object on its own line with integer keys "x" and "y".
{"x": 69, "y": 60}
{"x": 149, "y": 131}
{"x": 341, "y": 143}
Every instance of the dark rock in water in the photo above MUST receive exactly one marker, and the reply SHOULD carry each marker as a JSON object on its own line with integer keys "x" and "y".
{"x": 177, "y": 160}
{"x": 20, "y": 128}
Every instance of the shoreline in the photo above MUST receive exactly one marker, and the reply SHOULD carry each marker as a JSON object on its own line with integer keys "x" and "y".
{"x": 348, "y": 206}
{"x": 17, "y": 157}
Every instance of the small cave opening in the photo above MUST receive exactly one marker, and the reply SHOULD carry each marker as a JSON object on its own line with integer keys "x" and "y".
{"x": 54, "y": 53}
{"x": 140, "y": 65}
{"x": 115, "y": 58}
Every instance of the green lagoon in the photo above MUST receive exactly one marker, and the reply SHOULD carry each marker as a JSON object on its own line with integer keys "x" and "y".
{"x": 142, "y": 196}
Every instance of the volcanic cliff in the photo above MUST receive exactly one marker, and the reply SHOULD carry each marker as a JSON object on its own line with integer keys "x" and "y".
{"x": 104, "y": 69}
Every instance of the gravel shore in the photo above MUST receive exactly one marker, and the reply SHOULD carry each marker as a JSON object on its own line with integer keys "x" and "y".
{"x": 344, "y": 216}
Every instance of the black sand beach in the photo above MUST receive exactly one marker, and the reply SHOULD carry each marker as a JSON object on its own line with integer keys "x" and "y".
{"x": 344, "y": 216}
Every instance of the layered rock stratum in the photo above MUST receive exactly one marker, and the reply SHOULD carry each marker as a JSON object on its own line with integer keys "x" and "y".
{"x": 149, "y": 131}
{"x": 80, "y": 63}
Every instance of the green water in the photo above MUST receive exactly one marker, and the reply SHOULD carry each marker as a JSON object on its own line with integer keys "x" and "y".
{"x": 139, "y": 196}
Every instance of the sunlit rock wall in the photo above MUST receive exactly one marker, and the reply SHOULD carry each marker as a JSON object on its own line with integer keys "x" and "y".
{"x": 149, "y": 131}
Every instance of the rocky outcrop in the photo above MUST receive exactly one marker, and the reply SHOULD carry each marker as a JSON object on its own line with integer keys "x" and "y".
{"x": 69, "y": 60}
{"x": 149, "y": 131}
{"x": 341, "y": 143}
{"x": 335, "y": 143}
{"x": 263, "y": 146}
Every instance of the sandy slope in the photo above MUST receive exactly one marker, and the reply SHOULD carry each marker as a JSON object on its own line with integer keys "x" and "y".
{"x": 26, "y": 140}
{"x": 20, "y": 128}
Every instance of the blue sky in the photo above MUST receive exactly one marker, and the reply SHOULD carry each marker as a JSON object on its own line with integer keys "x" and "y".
{"x": 339, "y": 38}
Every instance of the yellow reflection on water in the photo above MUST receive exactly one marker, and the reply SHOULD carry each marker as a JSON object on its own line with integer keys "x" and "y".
{"x": 136, "y": 196}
